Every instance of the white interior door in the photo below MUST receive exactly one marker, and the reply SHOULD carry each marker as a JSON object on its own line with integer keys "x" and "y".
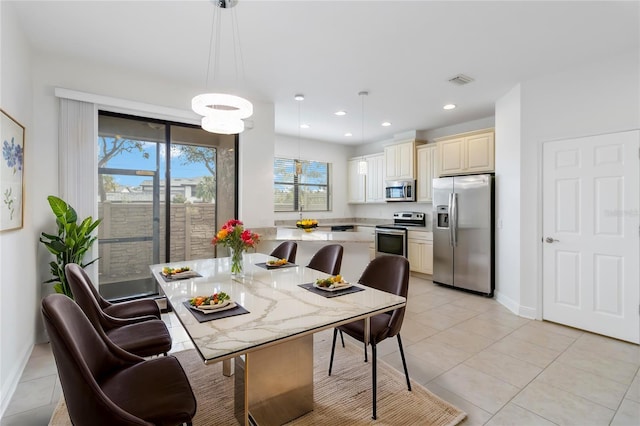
{"x": 591, "y": 227}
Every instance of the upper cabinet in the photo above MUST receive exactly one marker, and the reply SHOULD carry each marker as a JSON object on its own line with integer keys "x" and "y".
{"x": 400, "y": 160}
{"x": 471, "y": 152}
{"x": 366, "y": 187}
{"x": 356, "y": 184}
{"x": 374, "y": 188}
{"x": 427, "y": 156}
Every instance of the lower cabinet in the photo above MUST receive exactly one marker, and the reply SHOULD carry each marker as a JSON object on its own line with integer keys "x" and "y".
{"x": 420, "y": 248}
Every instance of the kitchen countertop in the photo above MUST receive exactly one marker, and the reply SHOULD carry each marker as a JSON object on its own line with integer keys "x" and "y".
{"x": 420, "y": 228}
{"x": 295, "y": 234}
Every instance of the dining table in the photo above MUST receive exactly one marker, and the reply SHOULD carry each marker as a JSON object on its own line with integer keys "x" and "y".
{"x": 267, "y": 335}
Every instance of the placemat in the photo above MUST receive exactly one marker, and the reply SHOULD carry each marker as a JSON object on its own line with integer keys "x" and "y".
{"x": 269, "y": 267}
{"x": 193, "y": 274}
{"x": 201, "y": 317}
{"x": 327, "y": 294}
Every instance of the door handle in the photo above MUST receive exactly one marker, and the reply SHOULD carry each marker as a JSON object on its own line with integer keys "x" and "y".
{"x": 551, "y": 240}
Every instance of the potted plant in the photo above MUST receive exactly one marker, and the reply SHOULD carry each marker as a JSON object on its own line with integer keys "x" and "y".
{"x": 70, "y": 244}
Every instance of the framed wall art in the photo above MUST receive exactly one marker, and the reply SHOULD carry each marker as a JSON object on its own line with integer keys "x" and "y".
{"x": 11, "y": 173}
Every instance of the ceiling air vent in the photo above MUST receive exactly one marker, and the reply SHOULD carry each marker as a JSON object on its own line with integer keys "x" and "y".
{"x": 461, "y": 79}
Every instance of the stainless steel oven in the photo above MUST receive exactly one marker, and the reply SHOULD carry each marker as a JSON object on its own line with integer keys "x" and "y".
{"x": 392, "y": 238}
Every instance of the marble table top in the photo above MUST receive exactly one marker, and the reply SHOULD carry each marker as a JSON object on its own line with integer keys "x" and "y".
{"x": 279, "y": 309}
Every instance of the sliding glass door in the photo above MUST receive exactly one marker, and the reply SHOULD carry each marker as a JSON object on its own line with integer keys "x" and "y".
{"x": 162, "y": 188}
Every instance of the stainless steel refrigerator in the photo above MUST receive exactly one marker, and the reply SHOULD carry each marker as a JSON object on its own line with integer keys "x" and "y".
{"x": 463, "y": 232}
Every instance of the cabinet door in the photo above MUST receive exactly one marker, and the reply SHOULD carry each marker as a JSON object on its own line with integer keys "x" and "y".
{"x": 480, "y": 156}
{"x": 405, "y": 162}
{"x": 390, "y": 162}
{"x": 426, "y": 164}
{"x": 414, "y": 248}
{"x": 452, "y": 156}
{"x": 375, "y": 179}
{"x": 356, "y": 185}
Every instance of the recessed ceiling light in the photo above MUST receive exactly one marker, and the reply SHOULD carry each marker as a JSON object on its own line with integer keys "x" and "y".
{"x": 340, "y": 113}
{"x": 299, "y": 97}
{"x": 449, "y": 106}
{"x": 348, "y": 134}
{"x": 386, "y": 124}
{"x": 304, "y": 126}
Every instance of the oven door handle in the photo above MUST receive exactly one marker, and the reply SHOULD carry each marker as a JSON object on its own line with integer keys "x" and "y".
{"x": 389, "y": 231}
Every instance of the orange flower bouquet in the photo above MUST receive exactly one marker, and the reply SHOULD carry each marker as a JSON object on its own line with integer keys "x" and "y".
{"x": 235, "y": 237}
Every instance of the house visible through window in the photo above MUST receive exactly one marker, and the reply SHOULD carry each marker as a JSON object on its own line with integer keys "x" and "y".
{"x": 300, "y": 185}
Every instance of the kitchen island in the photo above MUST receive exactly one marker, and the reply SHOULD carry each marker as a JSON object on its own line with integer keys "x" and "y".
{"x": 356, "y": 246}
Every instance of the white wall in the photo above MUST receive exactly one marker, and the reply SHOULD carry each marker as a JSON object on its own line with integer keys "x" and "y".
{"x": 24, "y": 260}
{"x": 256, "y": 168}
{"x": 19, "y": 289}
{"x": 594, "y": 98}
{"x": 507, "y": 235}
{"x": 336, "y": 154}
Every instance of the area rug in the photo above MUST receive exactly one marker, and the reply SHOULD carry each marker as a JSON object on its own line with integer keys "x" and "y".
{"x": 342, "y": 399}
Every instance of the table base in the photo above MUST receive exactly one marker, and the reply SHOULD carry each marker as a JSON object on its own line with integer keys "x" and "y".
{"x": 274, "y": 385}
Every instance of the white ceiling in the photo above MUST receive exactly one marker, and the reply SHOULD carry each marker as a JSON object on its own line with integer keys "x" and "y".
{"x": 401, "y": 52}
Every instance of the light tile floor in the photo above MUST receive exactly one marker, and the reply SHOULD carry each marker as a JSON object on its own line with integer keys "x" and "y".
{"x": 499, "y": 368}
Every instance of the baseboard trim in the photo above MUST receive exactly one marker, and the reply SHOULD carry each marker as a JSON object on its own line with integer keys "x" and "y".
{"x": 515, "y": 307}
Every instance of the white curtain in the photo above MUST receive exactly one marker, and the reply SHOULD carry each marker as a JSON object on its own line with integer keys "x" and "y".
{"x": 78, "y": 162}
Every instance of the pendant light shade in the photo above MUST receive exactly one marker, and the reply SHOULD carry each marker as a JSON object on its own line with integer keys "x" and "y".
{"x": 222, "y": 125}
{"x": 222, "y": 113}
{"x": 226, "y": 106}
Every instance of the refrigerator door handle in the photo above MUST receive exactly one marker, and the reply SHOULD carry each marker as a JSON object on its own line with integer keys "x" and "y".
{"x": 450, "y": 214}
{"x": 454, "y": 219}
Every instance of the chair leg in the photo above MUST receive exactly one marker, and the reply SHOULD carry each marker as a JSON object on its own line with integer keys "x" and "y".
{"x": 404, "y": 362}
{"x": 365, "y": 353}
{"x": 375, "y": 378}
{"x": 333, "y": 349}
{"x": 342, "y": 338}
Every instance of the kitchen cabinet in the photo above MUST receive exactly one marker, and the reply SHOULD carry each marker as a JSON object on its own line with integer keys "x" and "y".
{"x": 427, "y": 170}
{"x": 370, "y": 230}
{"x": 400, "y": 160}
{"x": 368, "y": 187}
{"x": 420, "y": 251}
{"x": 374, "y": 187}
{"x": 466, "y": 153}
{"x": 356, "y": 182}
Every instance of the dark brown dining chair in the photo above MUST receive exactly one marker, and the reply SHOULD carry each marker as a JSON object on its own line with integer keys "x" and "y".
{"x": 105, "y": 385}
{"x": 143, "y": 336}
{"x": 128, "y": 309}
{"x": 328, "y": 259}
{"x": 286, "y": 250}
{"x": 390, "y": 274}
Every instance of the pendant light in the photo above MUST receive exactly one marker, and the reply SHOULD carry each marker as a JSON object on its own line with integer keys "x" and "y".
{"x": 222, "y": 113}
{"x": 299, "y": 98}
{"x": 362, "y": 164}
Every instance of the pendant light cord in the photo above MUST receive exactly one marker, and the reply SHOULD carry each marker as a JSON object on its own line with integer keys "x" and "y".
{"x": 214, "y": 47}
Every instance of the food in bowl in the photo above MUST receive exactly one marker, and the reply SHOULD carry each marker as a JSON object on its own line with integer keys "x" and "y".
{"x": 278, "y": 262}
{"x": 214, "y": 299}
{"x": 167, "y": 271}
{"x": 331, "y": 282}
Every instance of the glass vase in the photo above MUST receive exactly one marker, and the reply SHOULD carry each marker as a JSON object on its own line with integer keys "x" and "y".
{"x": 237, "y": 257}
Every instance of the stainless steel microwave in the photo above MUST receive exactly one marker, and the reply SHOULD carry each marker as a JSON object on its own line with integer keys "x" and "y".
{"x": 400, "y": 190}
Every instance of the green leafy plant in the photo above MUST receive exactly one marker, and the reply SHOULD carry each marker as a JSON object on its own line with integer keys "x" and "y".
{"x": 70, "y": 245}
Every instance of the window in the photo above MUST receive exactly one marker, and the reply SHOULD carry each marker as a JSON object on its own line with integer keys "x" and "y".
{"x": 307, "y": 190}
{"x": 164, "y": 188}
